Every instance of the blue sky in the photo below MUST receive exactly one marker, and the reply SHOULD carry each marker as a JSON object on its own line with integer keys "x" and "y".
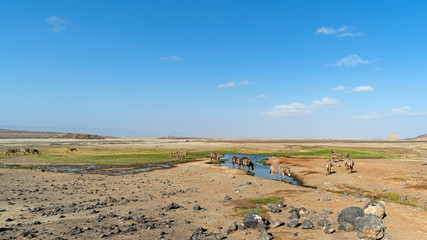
{"x": 283, "y": 69}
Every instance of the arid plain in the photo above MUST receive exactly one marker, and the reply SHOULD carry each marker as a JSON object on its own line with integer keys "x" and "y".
{"x": 197, "y": 198}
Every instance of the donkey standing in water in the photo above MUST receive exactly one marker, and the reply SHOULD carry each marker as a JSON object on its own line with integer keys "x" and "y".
{"x": 247, "y": 163}
{"x": 236, "y": 161}
{"x": 281, "y": 170}
{"x": 216, "y": 155}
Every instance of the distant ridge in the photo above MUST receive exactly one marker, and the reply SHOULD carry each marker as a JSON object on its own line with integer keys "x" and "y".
{"x": 420, "y": 137}
{"x": 6, "y": 133}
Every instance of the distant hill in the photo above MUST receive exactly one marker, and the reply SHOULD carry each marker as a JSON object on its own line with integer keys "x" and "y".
{"x": 421, "y": 137}
{"x": 6, "y": 133}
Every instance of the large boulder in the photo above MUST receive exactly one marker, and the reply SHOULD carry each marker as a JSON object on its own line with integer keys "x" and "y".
{"x": 375, "y": 207}
{"x": 350, "y": 214}
{"x": 252, "y": 220}
{"x": 369, "y": 227}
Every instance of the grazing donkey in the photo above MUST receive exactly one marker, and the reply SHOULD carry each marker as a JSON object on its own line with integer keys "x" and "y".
{"x": 339, "y": 156}
{"x": 27, "y": 150}
{"x": 183, "y": 154}
{"x": 174, "y": 154}
{"x": 328, "y": 167}
{"x": 34, "y": 151}
{"x": 281, "y": 170}
{"x": 247, "y": 163}
{"x": 347, "y": 154}
{"x": 349, "y": 164}
{"x": 12, "y": 151}
{"x": 72, "y": 150}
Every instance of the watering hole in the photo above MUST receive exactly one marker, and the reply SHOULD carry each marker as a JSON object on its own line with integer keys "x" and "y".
{"x": 260, "y": 170}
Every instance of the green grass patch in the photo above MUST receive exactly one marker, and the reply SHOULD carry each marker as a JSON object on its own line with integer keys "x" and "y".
{"x": 248, "y": 210}
{"x": 264, "y": 200}
{"x": 250, "y": 173}
{"x": 312, "y": 152}
{"x": 110, "y": 156}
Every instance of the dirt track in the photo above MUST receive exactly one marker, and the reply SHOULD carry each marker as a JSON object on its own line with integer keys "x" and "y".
{"x": 48, "y": 205}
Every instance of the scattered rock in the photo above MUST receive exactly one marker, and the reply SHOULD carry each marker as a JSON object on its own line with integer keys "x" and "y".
{"x": 227, "y": 198}
{"x": 276, "y": 223}
{"x": 273, "y": 208}
{"x": 292, "y": 222}
{"x": 252, "y": 220}
{"x": 264, "y": 235}
{"x": 323, "y": 222}
{"x": 347, "y": 227}
{"x": 232, "y": 227}
{"x": 350, "y": 214}
{"x": 328, "y": 229}
{"x": 171, "y": 206}
{"x": 307, "y": 224}
{"x": 197, "y": 207}
{"x": 369, "y": 227}
{"x": 326, "y": 198}
{"x": 279, "y": 204}
{"x": 375, "y": 207}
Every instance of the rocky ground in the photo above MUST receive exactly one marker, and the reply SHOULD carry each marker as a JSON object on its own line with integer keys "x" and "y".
{"x": 195, "y": 199}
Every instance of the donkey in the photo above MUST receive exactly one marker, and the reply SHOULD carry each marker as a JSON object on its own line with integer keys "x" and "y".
{"x": 328, "y": 167}
{"x": 339, "y": 156}
{"x": 332, "y": 155}
{"x": 183, "y": 154}
{"x": 281, "y": 170}
{"x": 72, "y": 150}
{"x": 347, "y": 154}
{"x": 349, "y": 164}
{"x": 174, "y": 154}
{"x": 216, "y": 155}
{"x": 236, "y": 161}
{"x": 34, "y": 151}
{"x": 247, "y": 163}
{"x": 12, "y": 151}
{"x": 27, "y": 150}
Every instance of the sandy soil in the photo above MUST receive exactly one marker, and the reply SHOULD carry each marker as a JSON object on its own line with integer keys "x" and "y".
{"x": 46, "y": 205}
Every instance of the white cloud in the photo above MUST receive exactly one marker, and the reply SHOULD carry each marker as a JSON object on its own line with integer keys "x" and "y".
{"x": 230, "y": 84}
{"x": 343, "y": 31}
{"x": 339, "y": 88}
{"x": 363, "y": 89}
{"x": 350, "y": 61}
{"x": 371, "y": 115}
{"x": 244, "y": 82}
{"x": 293, "y": 109}
{"x": 262, "y": 96}
{"x": 171, "y": 58}
{"x": 299, "y": 109}
{"x": 326, "y": 102}
{"x": 58, "y": 24}
{"x": 395, "y": 112}
{"x": 405, "y": 111}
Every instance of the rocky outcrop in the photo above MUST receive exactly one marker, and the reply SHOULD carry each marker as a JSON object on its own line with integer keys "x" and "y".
{"x": 369, "y": 227}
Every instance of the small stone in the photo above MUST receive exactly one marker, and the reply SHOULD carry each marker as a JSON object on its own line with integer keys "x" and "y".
{"x": 273, "y": 208}
{"x": 227, "y": 198}
{"x": 280, "y": 204}
{"x": 323, "y": 222}
{"x": 276, "y": 223}
{"x": 264, "y": 235}
{"x": 307, "y": 224}
{"x": 326, "y": 198}
{"x": 328, "y": 229}
{"x": 292, "y": 222}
